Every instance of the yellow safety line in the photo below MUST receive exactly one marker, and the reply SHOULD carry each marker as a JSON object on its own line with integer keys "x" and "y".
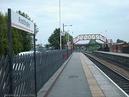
{"x": 93, "y": 85}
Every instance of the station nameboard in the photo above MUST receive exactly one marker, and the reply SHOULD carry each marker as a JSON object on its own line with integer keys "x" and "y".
{"x": 21, "y": 22}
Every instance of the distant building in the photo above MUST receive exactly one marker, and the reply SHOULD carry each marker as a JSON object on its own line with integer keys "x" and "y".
{"x": 120, "y": 47}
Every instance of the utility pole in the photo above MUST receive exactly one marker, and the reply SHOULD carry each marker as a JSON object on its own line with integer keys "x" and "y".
{"x": 60, "y": 24}
{"x": 64, "y": 31}
{"x": 65, "y": 26}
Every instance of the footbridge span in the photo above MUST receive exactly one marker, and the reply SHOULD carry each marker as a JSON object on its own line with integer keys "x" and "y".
{"x": 89, "y": 37}
{"x": 105, "y": 42}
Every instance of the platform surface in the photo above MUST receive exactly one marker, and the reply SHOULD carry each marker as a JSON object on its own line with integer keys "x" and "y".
{"x": 114, "y": 53}
{"x": 72, "y": 82}
{"x": 82, "y": 78}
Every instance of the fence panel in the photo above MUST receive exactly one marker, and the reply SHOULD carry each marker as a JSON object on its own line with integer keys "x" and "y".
{"x": 4, "y": 76}
{"x": 23, "y": 75}
{"x": 47, "y": 64}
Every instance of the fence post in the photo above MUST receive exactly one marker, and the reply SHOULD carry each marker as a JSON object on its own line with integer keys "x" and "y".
{"x": 67, "y": 53}
{"x": 35, "y": 78}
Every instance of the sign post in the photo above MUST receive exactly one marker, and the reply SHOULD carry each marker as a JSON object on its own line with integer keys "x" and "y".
{"x": 10, "y": 51}
{"x": 17, "y": 21}
{"x": 35, "y": 30}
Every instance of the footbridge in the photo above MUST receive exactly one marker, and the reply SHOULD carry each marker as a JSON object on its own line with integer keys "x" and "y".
{"x": 104, "y": 41}
{"x": 89, "y": 37}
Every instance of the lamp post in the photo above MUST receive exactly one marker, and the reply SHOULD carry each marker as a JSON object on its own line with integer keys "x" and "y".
{"x": 65, "y": 26}
{"x": 64, "y": 31}
{"x": 60, "y": 24}
{"x": 67, "y": 38}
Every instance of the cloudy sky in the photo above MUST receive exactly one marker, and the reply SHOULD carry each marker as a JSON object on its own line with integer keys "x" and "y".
{"x": 107, "y": 17}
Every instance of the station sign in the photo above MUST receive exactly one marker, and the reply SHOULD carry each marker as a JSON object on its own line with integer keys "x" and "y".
{"x": 21, "y": 22}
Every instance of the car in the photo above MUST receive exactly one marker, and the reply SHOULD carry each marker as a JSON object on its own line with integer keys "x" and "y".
{"x": 28, "y": 53}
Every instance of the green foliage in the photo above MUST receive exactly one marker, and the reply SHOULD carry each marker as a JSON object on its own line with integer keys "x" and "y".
{"x": 54, "y": 39}
{"x": 3, "y": 34}
{"x": 93, "y": 46}
{"x": 22, "y": 41}
{"x": 47, "y": 46}
{"x": 120, "y": 41}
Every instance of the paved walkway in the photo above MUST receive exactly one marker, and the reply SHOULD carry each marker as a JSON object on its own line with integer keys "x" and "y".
{"x": 72, "y": 81}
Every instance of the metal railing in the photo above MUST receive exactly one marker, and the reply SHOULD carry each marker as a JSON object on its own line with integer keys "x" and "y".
{"x": 4, "y": 76}
{"x": 47, "y": 63}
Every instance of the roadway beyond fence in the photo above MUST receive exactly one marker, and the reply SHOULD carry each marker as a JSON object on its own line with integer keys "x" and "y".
{"x": 47, "y": 63}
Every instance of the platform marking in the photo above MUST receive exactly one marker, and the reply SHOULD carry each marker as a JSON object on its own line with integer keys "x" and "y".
{"x": 112, "y": 82}
{"x": 93, "y": 85}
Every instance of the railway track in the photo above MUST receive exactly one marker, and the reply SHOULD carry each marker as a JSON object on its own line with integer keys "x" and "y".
{"x": 115, "y": 63}
{"x": 119, "y": 79}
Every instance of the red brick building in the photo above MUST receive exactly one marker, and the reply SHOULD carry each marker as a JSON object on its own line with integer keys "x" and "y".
{"x": 120, "y": 47}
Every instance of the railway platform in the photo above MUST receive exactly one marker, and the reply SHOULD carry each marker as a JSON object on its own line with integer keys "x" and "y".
{"x": 80, "y": 77}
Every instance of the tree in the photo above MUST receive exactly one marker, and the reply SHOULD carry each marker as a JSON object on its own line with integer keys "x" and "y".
{"x": 3, "y": 34}
{"x": 120, "y": 41}
{"x": 47, "y": 46}
{"x": 93, "y": 45}
{"x": 54, "y": 39}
